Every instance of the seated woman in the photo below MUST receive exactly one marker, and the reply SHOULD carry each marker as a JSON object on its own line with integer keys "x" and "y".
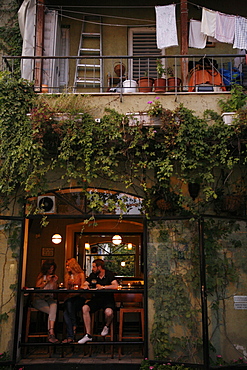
{"x": 45, "y": 301}
{"x": 73, "y": 304}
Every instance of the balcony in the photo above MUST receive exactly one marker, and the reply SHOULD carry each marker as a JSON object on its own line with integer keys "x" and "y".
{"x": 214, "y": 73}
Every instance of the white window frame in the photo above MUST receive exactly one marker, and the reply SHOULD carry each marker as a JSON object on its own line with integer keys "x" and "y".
{"x": 141, "y": 30}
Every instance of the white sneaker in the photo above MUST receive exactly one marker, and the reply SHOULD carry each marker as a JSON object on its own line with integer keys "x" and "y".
{"x": 86, "y": 338}
{"x": 105, "y": 331}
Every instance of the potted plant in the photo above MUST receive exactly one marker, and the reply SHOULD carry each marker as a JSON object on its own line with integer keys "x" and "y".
{"x": 145, "y": 83}
{"x": 160, "y": 82}
{"x": 173, "y": 83}
{"x": 230, "y": 106}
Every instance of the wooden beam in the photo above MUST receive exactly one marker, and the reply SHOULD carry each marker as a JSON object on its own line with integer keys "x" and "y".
{"x": 39, "y": 44}
{"x": 184, "y": 40}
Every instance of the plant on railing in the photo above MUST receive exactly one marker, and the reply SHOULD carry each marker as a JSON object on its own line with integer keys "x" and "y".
{"x": 236, "y": 101}
{"x": 155, "y": 108}
{"x": 161, "y": 70}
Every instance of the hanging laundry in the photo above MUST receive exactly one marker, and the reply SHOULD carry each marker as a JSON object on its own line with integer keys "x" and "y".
{"x": 166, "y": 27}
{"x": 197, "y": 39}
{"x": 225, "y": 26}
{"x": 240, "y": 40}
{"x": 208, "y": 25}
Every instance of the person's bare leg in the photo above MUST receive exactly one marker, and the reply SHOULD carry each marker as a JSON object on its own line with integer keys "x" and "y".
{"x": 86, "y": 318}
{"x": 108, "y": 316}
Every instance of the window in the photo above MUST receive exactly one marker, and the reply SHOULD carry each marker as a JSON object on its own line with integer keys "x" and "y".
{"x": 123, "y": 259}
{"x": 142, "y": 42}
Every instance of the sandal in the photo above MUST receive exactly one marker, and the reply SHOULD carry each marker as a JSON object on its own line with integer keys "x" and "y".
{"x": 52, "y": 338}
{"x": 68, "y": 341}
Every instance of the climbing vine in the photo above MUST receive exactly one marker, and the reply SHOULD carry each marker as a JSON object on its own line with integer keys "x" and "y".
{"x": 10, "y": 37}
{"x": 174, "y": 285}
{"x": 39, "y": 136}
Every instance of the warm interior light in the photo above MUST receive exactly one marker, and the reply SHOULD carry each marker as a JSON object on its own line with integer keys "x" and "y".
{"x": 87, "y": 246}
{"x": 56, "y": 238}
{"x": 130, "y": 246}
{"x": 123, "y": 263}
{"x": 116, "y": 239}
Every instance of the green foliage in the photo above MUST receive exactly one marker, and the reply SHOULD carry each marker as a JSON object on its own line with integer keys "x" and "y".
{"x": 174, "y": 283}
{"x": 10, "y": 37}
{"x": 236, "y": 101}
{"x": 4, "y": 357}
{"x": 184, "y": 147}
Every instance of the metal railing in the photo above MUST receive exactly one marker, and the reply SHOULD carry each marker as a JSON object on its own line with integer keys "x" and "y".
{"x": 124, "y": 74}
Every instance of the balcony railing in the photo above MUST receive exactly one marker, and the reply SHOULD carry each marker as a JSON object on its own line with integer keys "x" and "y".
{"x": 124, "y": 74}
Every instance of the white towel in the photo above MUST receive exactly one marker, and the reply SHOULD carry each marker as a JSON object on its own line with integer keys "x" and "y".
{"x": 225, "y": 27}
{"x": 166, "y": 27}
{"x": 197, "y": 39}
{"x": 208, "y": 22}
{"x": 240, "y": 40}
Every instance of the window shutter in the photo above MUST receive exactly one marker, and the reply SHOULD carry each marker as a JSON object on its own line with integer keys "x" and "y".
{"x": 144, "y": 44}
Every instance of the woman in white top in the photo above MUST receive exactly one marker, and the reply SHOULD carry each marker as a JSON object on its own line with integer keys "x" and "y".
{"x": 45, "y": 301}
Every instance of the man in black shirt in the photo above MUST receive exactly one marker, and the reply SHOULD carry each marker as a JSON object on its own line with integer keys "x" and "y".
{"x": 101, "y": 279}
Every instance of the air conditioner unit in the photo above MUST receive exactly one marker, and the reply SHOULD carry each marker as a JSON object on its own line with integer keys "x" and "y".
{"x": 46, "y": 203}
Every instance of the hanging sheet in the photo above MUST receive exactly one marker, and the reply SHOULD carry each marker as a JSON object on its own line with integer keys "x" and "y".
{"x": 208, "y": 25}
{"x": 240, "y": 40}
{"x": 197, "y": 39}
{"x": 224, "y": 31}
{"x": 166, "y": 27}
{"x": 26, "y": 18}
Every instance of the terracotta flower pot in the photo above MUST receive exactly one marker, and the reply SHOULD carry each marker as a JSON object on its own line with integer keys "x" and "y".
{"x": 174, "y": 84}
{"x": 160, "y": 85}
{"x": 145, "y": 84}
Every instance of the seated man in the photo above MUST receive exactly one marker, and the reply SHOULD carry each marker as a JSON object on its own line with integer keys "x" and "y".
{"x": 104, "y": 279}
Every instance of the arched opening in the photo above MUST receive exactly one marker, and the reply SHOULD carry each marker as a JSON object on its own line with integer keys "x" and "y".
{"x": 66, "y": 214}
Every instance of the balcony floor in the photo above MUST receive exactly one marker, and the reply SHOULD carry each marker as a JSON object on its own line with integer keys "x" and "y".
{"x": 39, "y": 359}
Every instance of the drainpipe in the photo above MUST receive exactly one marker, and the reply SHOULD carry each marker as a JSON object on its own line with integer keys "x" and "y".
{"x": 39, "y": 44}
{"x": 203, "y": 294}
{"x": 184, "y": 40}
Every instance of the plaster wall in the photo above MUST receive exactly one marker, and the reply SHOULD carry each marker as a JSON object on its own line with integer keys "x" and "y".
{"x": 9, "y": 253}
{"x": 198, "y": 102}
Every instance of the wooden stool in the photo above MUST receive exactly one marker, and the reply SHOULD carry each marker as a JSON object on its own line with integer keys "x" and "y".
{"x": 130, "y": 303}
{"x": 27, "y": 329}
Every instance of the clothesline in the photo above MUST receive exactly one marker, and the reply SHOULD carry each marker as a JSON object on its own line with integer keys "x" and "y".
{"x": 220, "y": 26}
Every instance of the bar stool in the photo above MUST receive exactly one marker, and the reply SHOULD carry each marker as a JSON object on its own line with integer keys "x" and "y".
{"x": 130, "y": 303}
{"x": 38, "y": 334}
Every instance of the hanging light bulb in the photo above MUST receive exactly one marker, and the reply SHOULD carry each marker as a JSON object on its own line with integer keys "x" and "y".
{"x": 56, "y": 238}
{"x": 116, "y": 239}
{"x": 123, "y": 263}
{"x": 87, "y": 246}
{"x": 130, "y": 245}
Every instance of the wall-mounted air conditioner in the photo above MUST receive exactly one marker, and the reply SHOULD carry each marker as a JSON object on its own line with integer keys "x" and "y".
{"x": 46, "y": 203}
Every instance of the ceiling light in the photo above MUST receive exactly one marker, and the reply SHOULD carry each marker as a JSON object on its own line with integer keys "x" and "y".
{"x": 116, "y": 239}
{"x": 56, "y": 238}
